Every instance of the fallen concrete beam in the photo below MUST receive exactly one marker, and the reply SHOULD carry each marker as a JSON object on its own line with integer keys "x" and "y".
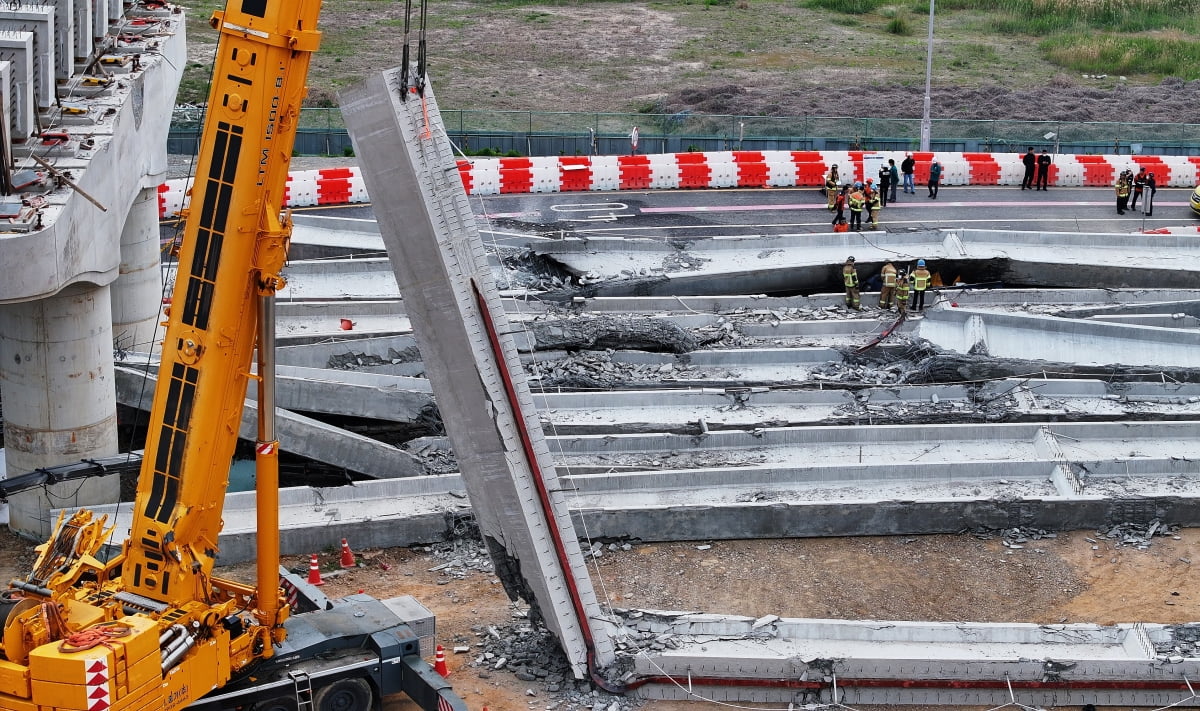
{"x": 1038, "y": 337}
{"x": 726, "y": 265}
{"x": 839, "y": 662}
{"x": 297, "y": 434}
{"x": 370, "y": 514}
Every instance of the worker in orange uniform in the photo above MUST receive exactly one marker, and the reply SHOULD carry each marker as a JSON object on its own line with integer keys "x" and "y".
{"x": 903, "y": 287}
{"x": 850, "y": 280}
{"x": 888, "y": 292}
{"x": 920, "y": 282}
{"x": 857, "y": 201}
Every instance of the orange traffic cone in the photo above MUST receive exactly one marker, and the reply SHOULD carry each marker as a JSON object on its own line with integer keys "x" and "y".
{"x": 314, "y": 571}
{"x": 439, "y": 662}
{"x": 347, "y": 555}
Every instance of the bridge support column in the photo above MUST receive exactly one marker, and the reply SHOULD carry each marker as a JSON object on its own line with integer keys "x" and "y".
{"x": 56, "y": 381}
{"x": 137, "y": 292}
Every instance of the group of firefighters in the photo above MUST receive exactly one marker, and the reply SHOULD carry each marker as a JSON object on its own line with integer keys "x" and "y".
{"x": 857, "y": 197}
{"x": 895, "y": 289}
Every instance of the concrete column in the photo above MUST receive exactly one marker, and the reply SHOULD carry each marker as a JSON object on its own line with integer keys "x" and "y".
{"x": 137, "y": 292}
{"x": 56, "y": 381}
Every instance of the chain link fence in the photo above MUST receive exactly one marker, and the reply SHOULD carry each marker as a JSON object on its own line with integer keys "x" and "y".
{"x": 322, "y": 132}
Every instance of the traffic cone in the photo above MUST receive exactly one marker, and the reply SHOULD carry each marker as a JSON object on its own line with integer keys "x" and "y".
{"x": 314, "y": 571}
{"x": 439, "y": 662}
{"x": 347, "y": 555}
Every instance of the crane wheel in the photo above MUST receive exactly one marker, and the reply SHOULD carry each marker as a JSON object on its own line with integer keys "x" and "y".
{"x": 345, "y": 695}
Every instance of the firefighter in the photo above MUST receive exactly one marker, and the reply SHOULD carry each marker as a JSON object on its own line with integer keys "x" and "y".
{"x": 874, "y": 207}
{"x": 856, "y": 201}
{"x": 888, "y": 292}
{"x": 903, "y": 286}
{"x": 920, "y": 282}
{"x": 850, "y": 280}
{"x": 831, "y": 186}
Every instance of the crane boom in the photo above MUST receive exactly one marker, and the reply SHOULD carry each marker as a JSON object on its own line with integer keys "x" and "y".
{"x": 233, "y": 248}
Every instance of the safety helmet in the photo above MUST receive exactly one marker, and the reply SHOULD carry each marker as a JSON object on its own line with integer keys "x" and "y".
{"x": 857, "y": 184}
{"x": 870, "y": 180}
{"x": 1151, "y": 175}
{"x": 849, "y": 259}
{"x": 835, "y": 165}
{"x": 920, "y": 262}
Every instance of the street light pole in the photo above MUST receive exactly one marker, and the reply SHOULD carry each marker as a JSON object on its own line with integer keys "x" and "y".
{"x": 926, "y": 124}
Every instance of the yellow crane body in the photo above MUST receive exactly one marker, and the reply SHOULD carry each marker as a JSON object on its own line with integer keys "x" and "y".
{"x": 152, "y": 628}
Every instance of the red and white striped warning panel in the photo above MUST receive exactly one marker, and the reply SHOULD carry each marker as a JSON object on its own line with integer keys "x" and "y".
{"x": 97, "y": 681}
{"x": 719, "y": 169}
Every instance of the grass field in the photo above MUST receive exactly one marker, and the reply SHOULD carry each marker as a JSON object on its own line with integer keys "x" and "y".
{"x": 612, "y": 55}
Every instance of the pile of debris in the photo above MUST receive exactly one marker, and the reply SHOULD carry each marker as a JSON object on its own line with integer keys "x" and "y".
{"x": 1138, "y": 535}
{"x": 531, "y": 653}
{"x": 353, "y": 361}
{"x": 460, "y": 556}
{"x": 862, "y": 373}
{"x": 589, "y": 370}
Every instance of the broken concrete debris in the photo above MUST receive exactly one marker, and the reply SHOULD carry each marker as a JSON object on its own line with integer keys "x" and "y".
{"x": 531, "y": 654}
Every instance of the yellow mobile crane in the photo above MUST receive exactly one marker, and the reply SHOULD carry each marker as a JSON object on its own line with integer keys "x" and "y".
{"x": 152, "y": 628}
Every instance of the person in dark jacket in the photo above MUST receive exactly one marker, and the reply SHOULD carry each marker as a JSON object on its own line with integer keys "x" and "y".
{"x": 1148, "y": 191}
{"x": 1030, "y": 161}
{"x": 893, "y": 177}
{"x": 1139, "y": 184}
{"x": 1043, "y": 170}
{"x": 935, "y": 177}
{"x": 906, "y": 167}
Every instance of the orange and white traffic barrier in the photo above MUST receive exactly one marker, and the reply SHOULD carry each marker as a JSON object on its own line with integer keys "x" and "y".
{"x": 718, "y": 169}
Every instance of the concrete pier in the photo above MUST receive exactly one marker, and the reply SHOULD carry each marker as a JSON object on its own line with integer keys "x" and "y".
{"x": 76, "y": 261}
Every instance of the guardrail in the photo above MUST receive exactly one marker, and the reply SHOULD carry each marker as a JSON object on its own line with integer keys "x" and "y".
{"x": 718, "y": 169}
{"x": 546, "y": 133}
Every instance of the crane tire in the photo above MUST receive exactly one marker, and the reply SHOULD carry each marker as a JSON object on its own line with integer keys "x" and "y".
{"x": 345, "y": 695}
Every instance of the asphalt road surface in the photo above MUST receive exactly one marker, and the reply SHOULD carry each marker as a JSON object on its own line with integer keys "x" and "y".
{"x": 777, "y": 211}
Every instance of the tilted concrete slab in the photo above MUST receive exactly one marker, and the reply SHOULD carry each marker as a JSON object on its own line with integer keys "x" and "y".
{"x": 297, "y": 434}
{"x": 724, "y": 265}
{"x": 1038, "y": 337}
{"x": 452, "y": 300}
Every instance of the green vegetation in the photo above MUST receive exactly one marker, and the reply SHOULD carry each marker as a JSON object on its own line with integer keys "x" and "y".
{"x": 1175, "y": 55}
{"x": 899, "y": 26}
{"x": 849, "y": 7}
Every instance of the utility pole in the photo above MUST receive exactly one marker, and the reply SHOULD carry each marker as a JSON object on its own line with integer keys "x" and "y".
{"x": 926, "y": 124}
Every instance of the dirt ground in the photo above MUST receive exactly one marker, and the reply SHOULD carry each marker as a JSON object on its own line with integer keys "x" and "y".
{"x": 759, "y": 57}
{"x": 1076, "y": 577}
